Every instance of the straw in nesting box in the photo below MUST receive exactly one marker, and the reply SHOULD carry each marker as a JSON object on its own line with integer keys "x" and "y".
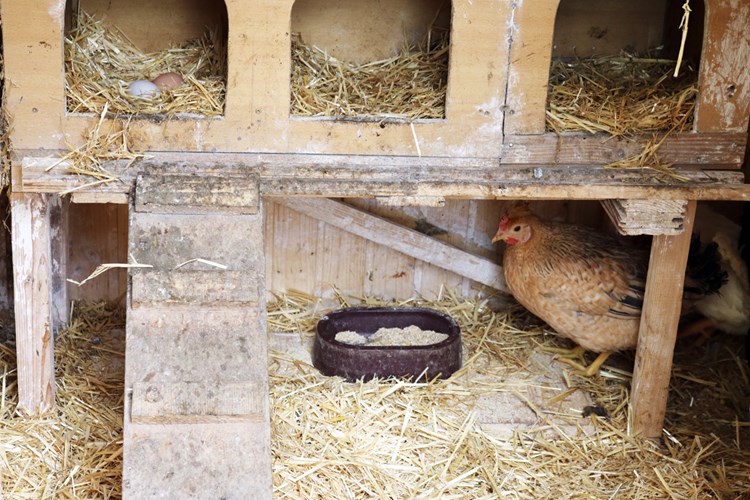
{"x": 409, "y": 86}
{"x": 621, "y": 96}
{"x": 100, "y": 63}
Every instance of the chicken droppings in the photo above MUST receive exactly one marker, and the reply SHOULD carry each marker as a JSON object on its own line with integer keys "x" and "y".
{"x": 408, "y": 336}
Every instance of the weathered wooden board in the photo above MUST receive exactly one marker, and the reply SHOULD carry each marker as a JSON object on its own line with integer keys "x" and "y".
{"x": 190, "y": 343}
{"x": 658, "y": 332}
{"x": 402, "y": 239}
{"x": 227, "y": 460}
{"x": 32, "y": 268}
{"x": 185, "y": 194}
{"x": 466, "y": 178}
{"x": 197, "y": 402}
{"x": 196, "y": 376}
{"x": 634, "y": 217}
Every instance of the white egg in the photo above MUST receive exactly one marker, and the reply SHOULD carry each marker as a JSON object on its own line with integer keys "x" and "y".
{"x": 143, "y": 88}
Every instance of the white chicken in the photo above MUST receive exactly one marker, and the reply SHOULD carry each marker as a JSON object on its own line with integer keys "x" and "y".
{"x": 728, "y": 310}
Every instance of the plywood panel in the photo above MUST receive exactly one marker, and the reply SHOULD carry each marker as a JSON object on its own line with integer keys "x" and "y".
{"x": 153, "y": 26}
{"x": 290, "y": 250}
{"x": 584, "y": 28}
{"x": 362, "y": 31}
{"x": 98, "y": 235}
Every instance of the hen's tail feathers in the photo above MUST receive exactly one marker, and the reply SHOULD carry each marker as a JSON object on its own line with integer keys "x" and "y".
{"x": 704, "y": 274}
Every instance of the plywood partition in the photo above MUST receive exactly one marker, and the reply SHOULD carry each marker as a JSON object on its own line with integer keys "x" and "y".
{"x": 257, "y": 115}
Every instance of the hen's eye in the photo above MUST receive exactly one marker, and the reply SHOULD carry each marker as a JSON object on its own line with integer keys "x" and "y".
{"x": 517, "y": 228}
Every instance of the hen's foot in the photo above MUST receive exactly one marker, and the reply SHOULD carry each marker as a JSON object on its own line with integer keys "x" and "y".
{"x": 575, "y": 358}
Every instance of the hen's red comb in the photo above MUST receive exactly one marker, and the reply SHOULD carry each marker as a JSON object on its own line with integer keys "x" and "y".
{"x": 504, "y": 222}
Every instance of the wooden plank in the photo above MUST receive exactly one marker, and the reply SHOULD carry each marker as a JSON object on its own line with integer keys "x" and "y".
{"x": 530, "y": 37}
{"x": 186, "y": 343}
{"x": 404, "y": 240}
{"x": 152, "y": 286}
{"x": 231, "y": 460}
{"x": 724, "y": 101}
{"x": 197, "y": 402}
{"x": 711, "y": 150}
{"x": 59, "y": 251}
{"x": 32, "y": 261}
{"x": 185, "y": 194}
{"x": 634, "y": 217}
{"x": 472, "y": 178}
{"x": 100, "y": 233}
{"x": 658, "y": 331}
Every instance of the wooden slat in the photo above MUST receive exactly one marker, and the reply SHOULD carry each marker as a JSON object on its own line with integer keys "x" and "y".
{"x": 175, "y": 193}
{"x": 399, "y": 238}
{"x": 197, "y": 402}
{"x": 724, "y": 100}
{"x": 707, "y": 149}
{"x": 32, "y": 261}
{"x": 634, "y": 217}
{"x": 658, "y": 332}
{"x": 359, "y": 176}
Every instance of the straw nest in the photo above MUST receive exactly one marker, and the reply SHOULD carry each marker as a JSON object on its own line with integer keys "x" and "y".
{"x": 76, "y": 451}
{"x": 101, "y": 62}
{"x": 396, "y": 439}
{"x": 408, "y": 86}
{"x": 621, "y": 96}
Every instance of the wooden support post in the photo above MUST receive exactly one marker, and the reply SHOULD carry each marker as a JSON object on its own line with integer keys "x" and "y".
{"x": 32, "y": 264}
{"x": 656, "y": 340}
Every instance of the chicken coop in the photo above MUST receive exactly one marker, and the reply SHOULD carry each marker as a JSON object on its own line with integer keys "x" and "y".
{"x": 368, "y": 146}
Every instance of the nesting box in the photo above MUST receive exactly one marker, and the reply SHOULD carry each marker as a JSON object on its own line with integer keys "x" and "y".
{"x": 256, "y": 38}
{"x": 548, "y": 30}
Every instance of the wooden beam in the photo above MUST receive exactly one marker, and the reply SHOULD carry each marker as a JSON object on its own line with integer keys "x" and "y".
{"x": 335, "y": 176}
{"x": 401, "y": 239}
{"x": 658, "y": 332}
{"x": 32, "y": 261}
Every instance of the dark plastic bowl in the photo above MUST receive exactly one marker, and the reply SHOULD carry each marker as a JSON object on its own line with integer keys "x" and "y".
{"x": 366, "y": 362}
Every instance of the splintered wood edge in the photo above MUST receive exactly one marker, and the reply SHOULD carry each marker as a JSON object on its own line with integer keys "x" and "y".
{"x": 652, "y": 217}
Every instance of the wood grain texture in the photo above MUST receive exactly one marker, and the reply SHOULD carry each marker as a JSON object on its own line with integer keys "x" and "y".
{"x": 658, "y": 331}
{"x": 355, "y": 176}
{"x": 32, "y": 279}
{"x": 401, "y": 239}
{"x": 724, "y": 102}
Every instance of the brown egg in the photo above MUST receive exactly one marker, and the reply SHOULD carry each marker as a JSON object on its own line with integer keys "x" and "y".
{"x": 169, "y": 80}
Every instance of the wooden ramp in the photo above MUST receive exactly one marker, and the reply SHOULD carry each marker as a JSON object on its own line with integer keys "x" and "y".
{"x": 196, "y": 377}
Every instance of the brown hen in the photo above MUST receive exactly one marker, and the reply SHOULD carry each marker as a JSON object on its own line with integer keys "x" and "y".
{"x": 584, "y": 284}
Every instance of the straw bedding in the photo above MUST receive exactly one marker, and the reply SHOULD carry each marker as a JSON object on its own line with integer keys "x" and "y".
{"x": 619, "y": 95}
{"x": 396, "y": 439}
{"x": 408, "y": 86}
{"x": 76, "y": 451}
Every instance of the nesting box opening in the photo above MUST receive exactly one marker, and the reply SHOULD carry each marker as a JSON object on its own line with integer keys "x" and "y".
{"x": 146, "y": 59}
{"x": 623, "y": 68}
{"x": 370, "y": 61}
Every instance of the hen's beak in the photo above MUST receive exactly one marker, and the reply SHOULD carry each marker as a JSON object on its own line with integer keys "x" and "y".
{"x": 497, "y": 237}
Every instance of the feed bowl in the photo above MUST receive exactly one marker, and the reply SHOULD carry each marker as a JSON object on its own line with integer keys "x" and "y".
{"x": 355, "y": 362}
